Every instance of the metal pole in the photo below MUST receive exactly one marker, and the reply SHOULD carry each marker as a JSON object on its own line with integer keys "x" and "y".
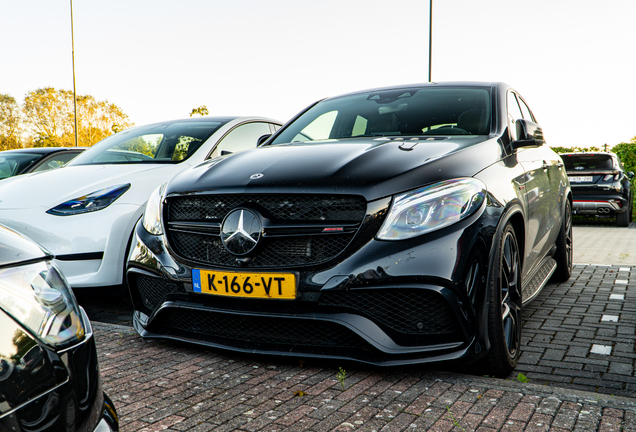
{"x": 430, "y": 40}
{"x": 74, "y": 92}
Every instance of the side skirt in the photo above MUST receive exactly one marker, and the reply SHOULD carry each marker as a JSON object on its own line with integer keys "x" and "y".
{"x": 533, "y": 285}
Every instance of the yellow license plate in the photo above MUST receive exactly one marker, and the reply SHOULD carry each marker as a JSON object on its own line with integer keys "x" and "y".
{"x": 241, "y": 284}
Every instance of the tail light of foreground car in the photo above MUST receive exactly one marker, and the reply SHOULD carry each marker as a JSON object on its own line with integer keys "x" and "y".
{"x": 432, "y": 207}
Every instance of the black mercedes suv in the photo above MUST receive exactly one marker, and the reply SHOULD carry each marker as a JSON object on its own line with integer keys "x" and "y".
{"x": 391, "y": 226}
{"x": 600, "y": 185}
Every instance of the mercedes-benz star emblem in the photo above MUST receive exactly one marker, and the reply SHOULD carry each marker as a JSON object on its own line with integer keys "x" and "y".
{"x": 241, "y": 231}
{"x": 256, "y": 176}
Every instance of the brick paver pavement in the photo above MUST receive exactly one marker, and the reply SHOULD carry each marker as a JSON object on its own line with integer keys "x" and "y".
{"x": 159, "y": 385}
{"x": 580, "y": 334}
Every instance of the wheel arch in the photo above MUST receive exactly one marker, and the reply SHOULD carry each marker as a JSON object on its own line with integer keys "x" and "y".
{"x": 514, "y": 215}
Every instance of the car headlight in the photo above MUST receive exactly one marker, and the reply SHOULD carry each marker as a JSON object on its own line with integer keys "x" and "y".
{"x": 152, "y": 214}
{"x": 431, "y": 208}
{"x": 95, "y": 201}
{"x": 38, "y": 296}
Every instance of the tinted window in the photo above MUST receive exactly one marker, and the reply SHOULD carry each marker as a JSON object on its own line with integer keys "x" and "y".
{"x": 403, "y": 112}
{"x": 14, "y": 163}
{"x": 514, "y": 114}
{"x": 527, "y": 114}
{"x": 56, "y": 161}
{"x": 587, "y": 162}
{"x": 242, "y": 137}
{"x": 159, "y": 143}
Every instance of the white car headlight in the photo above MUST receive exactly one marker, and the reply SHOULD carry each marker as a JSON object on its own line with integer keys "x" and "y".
{"x": 38, "y": 296}
{"x": 152, "y": 214}
{"x": 431, "y": 208}
{"x": 95, "y": 201}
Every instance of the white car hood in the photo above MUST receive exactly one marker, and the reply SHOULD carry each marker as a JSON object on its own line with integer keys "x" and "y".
{"x": 51, "y": 188}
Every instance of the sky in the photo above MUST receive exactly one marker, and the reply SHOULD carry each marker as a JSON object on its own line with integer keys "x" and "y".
{"x": 574, "y": 61}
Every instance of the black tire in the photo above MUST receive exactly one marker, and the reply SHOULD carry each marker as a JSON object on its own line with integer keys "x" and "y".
{"x": 623, "y": 219}
{"x": 504, "y": 309}
{"x": 565, "y": 247}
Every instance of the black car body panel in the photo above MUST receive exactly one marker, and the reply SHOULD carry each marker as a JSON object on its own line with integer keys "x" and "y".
{"x": 43, "y": 388}
{"x": 600, "y": 185}
{"x": 373, "y": 168}
{"x": 321, "y": 206}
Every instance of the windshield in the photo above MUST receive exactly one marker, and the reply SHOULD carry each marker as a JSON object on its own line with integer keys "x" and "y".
{"x": 588, "y": 162}
{"x": 158, "y": 143}
{"x": 14, "y": 163}
{"x": 403, "y": 112}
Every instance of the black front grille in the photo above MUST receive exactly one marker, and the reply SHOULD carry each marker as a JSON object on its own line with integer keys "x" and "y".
{"x": 294, "y": 235}
{"x": 408, "y": 314}
{"x": 257, "y": 331}
{"x": 276, "y": 252}
{"x": 307, "y": 208}
{"x": 153, "y": 290}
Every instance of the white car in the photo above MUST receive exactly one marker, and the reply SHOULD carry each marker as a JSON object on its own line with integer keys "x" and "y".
{"x": 85, "y": 213}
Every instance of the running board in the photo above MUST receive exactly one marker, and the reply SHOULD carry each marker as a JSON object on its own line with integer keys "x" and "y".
{"x": 533, "y": 286}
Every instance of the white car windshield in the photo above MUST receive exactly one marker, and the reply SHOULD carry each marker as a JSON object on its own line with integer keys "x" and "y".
{"x": 170, "y": 142}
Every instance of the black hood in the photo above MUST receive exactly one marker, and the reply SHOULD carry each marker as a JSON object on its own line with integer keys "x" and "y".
{"x": 372, "y": 167}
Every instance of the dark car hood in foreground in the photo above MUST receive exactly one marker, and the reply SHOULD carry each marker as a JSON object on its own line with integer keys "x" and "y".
{"x": 14, "y": 248}
{"x": 372, "y": 167}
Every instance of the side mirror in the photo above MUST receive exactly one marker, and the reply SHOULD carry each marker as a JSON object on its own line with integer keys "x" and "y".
{"x": 630, "y": 174}
{"x": 529, "y": 134}
{"x": 262, "y": 139}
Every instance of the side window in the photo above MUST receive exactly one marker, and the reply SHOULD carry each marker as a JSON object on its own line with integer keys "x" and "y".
{"x": 527, "y": 114}
{"x": 514, "y": 114}
{"x": 319, "y": 129}
{"x": 56, "y": 161}
{"x": 359, "y": 127}
{"x": 242, "y": 137}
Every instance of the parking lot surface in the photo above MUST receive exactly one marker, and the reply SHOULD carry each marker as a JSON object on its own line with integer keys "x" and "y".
{"x": 577, "y": 373}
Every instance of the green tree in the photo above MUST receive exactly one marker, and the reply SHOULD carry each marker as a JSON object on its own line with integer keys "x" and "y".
{"x": 627, "y": 153}
{"x": 10, "y": 123}
{"x": 561, "y": 150}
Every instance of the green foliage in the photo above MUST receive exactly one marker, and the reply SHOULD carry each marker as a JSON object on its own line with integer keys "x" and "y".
{"x": 627, "y": 153}
{"x": 522, "y": 378}
{"x": 340, "y": 376}
{"x": 561, "y": 150}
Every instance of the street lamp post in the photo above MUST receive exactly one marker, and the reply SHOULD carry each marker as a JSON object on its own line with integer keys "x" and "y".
{"x": 73, "y": 56}
{"x": 430, "y": 39}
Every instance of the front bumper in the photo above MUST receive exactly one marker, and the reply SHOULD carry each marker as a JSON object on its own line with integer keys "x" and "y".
{"x": 89, "y": 248}
{"x": 387, "y": 303}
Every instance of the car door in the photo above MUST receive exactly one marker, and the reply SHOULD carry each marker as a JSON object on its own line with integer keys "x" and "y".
{"x": 537, "y": 190}
{"x": 555, "y": 170}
